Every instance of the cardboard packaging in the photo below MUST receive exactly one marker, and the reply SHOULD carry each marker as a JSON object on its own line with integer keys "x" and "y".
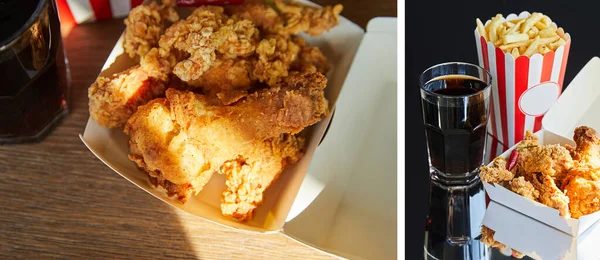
{"x": 539, "y": 241}
{"x": 577, "y": 106}
{"x": 523, "y": 89}
{"x": 341, "y": 196}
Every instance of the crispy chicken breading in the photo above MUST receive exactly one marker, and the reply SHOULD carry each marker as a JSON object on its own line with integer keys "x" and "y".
{"x": 586, "y": 152}
{"x": 159, "y": 147}
{"x": 310, "y": 59}
{"x": 582, "y": 186}
{"x": 300, "y": 18}
{"x": 280, "y": 54}
{"x": 487, "y": 238}
{"x": 182, "y": 140}
{"x": 227, "y": 80}
{"x": 286, "y": 108}
{"x": 203, "y": 33}
{"x": 144, "y": 25}
{"x": 524, "y": 188}
{"x": 249, "y": 175}
{"x": 554, "y": 160}
{"x": 275, "y": 55}
{"x": 550, "y": 195}
{"x": 112, "y": 100}
{"x": 497, "y": 173}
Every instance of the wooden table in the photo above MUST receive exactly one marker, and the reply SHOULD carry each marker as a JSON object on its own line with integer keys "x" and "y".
{"x": 59, "y": 201}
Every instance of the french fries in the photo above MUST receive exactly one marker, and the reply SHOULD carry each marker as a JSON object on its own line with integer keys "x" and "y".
{"x": 533, "y": 34}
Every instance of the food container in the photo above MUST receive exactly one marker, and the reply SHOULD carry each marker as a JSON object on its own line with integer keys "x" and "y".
{"x": 337, "y": 198}
{"x": 577, "y": 106}
{"x": 523, "y": 89}
{"x": 537, "y": 240}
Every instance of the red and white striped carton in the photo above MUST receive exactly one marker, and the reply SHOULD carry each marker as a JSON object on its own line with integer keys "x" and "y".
{"x": 523, "y": 89}
{"x": 73, "y": 12}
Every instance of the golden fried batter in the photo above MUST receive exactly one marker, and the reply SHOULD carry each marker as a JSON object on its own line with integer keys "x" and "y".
{"x": 524, "y": 188}
{"x": 227, "y": 79}
{"x": 487, "y": 237}
{"x": 310, "y": 58}
{"x": 286, "y": 108}
{"x": 144, "y": 25}
{"x": 553, "y": 160}
{"x": 310, "y": 20}
{"x": 550, "y": 194}
{"x": 582, "y": 186}
{"x": 275, "y": 54}
{"x": 586, "y": 152}
{"x": 182, "y": 140}
{"x": 202, "y": 33}
{"x": 112, "y": 100}
{"x": 164, "y": 152}
{"x": 248, "y": 176}
{"x": 497, "y": 173}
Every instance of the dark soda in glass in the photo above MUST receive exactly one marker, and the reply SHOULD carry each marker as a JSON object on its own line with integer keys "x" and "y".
{"x": 33, "y": 68}
{"x": 455, "y": 113}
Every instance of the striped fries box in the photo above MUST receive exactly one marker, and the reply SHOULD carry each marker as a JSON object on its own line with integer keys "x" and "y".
{"x": 74, "y": 12}
{"x": 83, "y": 11}
{"x": 523, "y": 89}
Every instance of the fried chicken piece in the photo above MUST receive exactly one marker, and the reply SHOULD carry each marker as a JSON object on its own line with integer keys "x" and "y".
{"x": 182, "y": 140}
{"x": 204, "y": 32}
{"x": 275, "y": 55}
{"x": 249, "y": 175}
{"x": 497, "y": 173}
{"x": 288, "y": 107}
{"x": 112, "y": 100}
{"x": 164, "y": 152}
{"x": 144, "y": 25}
{"x": 524, "y": 188}
{"x": 550, "y": 195}
{"x": 310, "y": 59}
{"x": 300, "y": 18}
{"x": 227, "y": 80}
{"x": 586, "y": 153}
{"x": 582, "y": 186}
{"x": 487, "y": 237}
{"x": 553, "y": 160}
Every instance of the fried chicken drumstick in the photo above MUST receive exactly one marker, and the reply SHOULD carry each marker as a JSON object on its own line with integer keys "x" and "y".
{"x": 182, "y": 140}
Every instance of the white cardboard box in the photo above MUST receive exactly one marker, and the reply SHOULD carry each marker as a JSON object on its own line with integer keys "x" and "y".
{"x": 576, "y": 106}
{"x": 343, "y": 201}
{"x": 537, "y": 240}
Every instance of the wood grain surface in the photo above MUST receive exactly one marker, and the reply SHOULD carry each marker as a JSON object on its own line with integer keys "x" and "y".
{"x": 59, "y": 201}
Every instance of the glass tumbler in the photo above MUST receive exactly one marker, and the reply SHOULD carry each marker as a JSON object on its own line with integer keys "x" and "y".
{"x": 455, "y": 106}
{"x": 33, "y": 68}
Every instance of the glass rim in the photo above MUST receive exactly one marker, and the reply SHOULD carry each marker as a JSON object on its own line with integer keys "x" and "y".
{"x": 488, "y": 84}
{"x": 12, "y": 39}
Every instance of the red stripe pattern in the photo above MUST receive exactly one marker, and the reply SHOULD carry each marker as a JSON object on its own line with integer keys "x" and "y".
{"x": 101, "y": 9}
{"x": 486, "y": 65}
{"x": 65, "y": 14}
{"x": 563, "y": 67}
{"x": 135, "y": 3}
{"x": 546, "y": 73}
{"x": 501, "y": 78}
{"x": 521, "y": 81}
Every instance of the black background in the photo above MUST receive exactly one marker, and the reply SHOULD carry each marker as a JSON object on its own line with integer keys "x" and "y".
{"x": 440, "y": 31}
